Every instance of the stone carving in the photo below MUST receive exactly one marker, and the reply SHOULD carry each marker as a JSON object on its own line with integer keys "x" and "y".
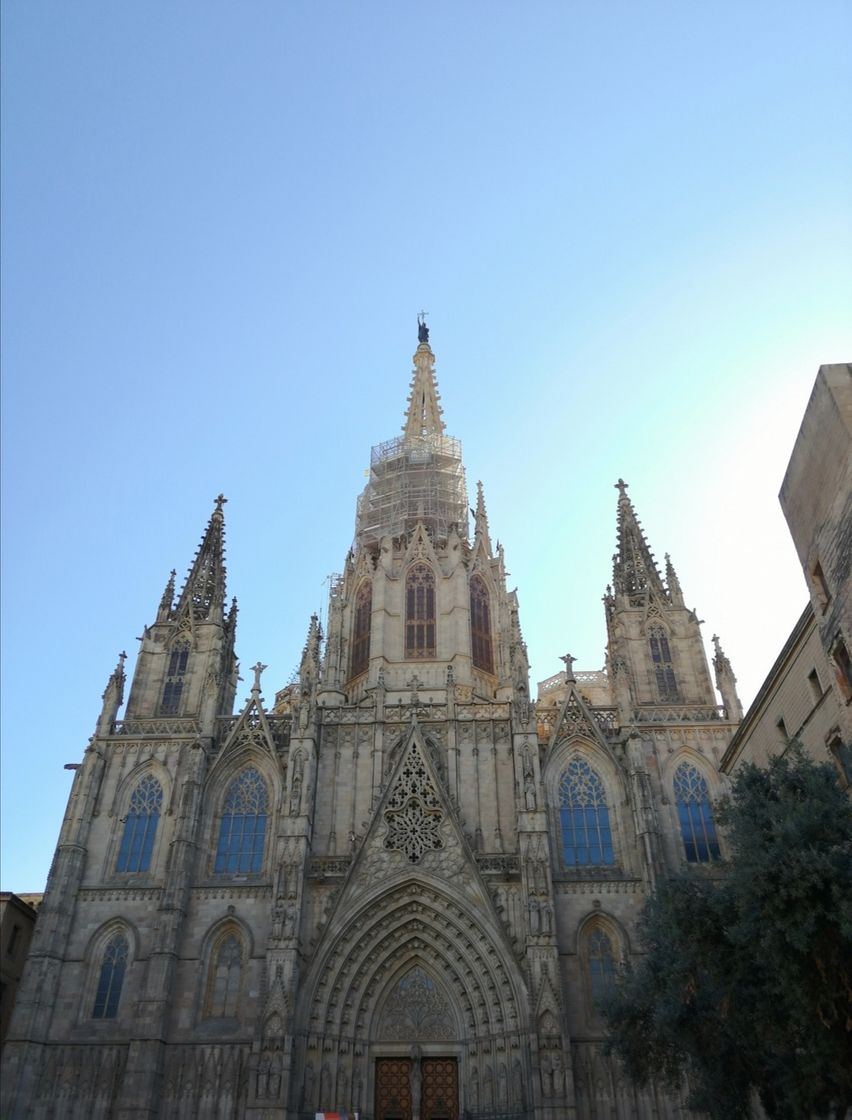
{"x": 416, "y": 1010}
{"x": 413, "y": 812}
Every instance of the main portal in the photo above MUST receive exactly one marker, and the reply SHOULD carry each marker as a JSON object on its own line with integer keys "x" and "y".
{"x": 417, "y": 1089}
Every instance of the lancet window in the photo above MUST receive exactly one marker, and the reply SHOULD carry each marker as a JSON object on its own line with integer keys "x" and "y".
{"x": 361, "y": 629}
{"x": 111, "y": 978}
{"x": 695, "y": 814}
{"x": 420, "y": 611}
{"x": 223, "y": 987}
{"x": 600, "y": 962}
{"x": 140, "y": 826}
{"x": 584, "y": 815}
{"x": 173, "y": 686}
{"x": 661, "y": 657}
{"x": 480, "y": 625}
{"x": 242, "y": 829}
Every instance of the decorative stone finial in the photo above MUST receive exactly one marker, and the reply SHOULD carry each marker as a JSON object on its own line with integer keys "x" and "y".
{"x": 621, "y": 487}
{"x": 257, "y": 670}
{"x": 569, "y": 666}
{"x": 220, "y": 501}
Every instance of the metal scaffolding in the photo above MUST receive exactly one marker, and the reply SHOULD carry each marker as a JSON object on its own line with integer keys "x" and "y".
{"x": 413, "y": 478}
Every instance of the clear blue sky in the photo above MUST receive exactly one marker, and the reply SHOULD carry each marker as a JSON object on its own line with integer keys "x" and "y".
{"x": 630, "y": 224}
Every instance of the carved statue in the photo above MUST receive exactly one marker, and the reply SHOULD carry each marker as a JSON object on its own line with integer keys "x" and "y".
{"x": 529, "y": 793}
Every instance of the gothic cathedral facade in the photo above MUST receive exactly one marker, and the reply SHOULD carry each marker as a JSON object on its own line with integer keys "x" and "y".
{"x": 401, "y": 889}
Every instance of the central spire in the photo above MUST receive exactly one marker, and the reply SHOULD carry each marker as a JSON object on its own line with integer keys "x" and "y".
{"x": 423, "y": 417}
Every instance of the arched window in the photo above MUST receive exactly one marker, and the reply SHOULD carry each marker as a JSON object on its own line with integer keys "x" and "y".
{"x": 111, "y": 978}
{"x": 420, "y": 611}
{"x": 480, "y": 626}
{"x": 600, "y": 962}
{"x": 695, "y": 815}
{"x": 173, "y": 687}
{"x": 361, "y": 629}
{"x": 661, "y": 657}
{"x": 242, "y": 830}
{"x": 140, "y": 827}
{"x": 586, "y": 833}
{"x": 223, "y": 988}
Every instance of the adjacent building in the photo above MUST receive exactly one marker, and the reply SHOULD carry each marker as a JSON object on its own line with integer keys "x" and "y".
{"x": 402, "y": 888}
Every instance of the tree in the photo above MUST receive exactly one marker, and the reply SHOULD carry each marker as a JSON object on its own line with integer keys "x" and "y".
{"x": 744, "y": 988}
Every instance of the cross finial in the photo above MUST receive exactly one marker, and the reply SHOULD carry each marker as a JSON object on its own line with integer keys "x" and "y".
{"x": 257, "y": 670}
{"x": 220, "y": 501}
{"x": 621, "y": 487}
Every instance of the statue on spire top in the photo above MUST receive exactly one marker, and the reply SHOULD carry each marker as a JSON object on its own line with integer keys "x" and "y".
{"x": 422, "y": 329}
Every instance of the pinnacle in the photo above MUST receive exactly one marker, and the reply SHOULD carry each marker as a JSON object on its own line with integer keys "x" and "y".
{"x": 423, "y": 416}
{"x": 204, "y": 589}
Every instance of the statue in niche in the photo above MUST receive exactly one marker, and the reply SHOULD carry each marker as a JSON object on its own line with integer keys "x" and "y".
{"x": 532, "y": 906}
{"x": 529, "y": 793}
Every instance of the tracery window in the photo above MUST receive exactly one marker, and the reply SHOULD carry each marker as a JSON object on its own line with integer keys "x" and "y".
{"x": 223, "y": 989}
{"x": 695, "y": 814}
{"x": 111, "y": 978}
{"x": 140, "y": 826}
{"x": 173, "y": 687}
{"x": 420, "y": 611}
{"x": 361, "y": 629}
{"x": 242, "y": 830}
{"x": 661, "y": 657}
{"x": 586, "y": 832}
{"x": 601, "y": 964}
{"x": 480, "y": 625}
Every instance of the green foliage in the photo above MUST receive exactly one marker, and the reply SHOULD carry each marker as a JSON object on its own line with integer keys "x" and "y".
{"x": 745, "y": 986}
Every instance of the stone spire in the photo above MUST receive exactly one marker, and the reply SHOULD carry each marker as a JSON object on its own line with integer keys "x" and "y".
{"x": 634, "y": 568}
{"x": 112, "y": 697}
{"x": 480, "y": 514}
{"x": 309, "y": 666}
{"x": 423, "y": 417}
{"x": 673, "y": 583}
{"x": 726, "y": 683}
{"x": 204, "y": 590}
{"x": 168, "y": 598}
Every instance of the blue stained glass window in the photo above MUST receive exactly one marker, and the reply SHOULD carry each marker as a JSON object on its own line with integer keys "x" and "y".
{"x": 140, "y": 827}
{"x": 111, "y": 978}
{"x": 586, "y": 832}
{"x": 601, "y": 964}
{"x": 695, "y": 814}
{"x": 242, "y": 831}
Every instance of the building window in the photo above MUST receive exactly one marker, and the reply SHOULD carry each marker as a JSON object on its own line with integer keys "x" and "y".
{"x": 695, "y": 815}
{"x": 361, "y": 629}
{"x": 173, "y": 687}
{"x": 840, "y": 656}
{"x": 224, "y": 983}
{"x": 14, "y": 938}
{"x": 420, "y": 611}
{"x": 841, "y": 754}
{"x": 816, "y": 687}
{"x": 586, "y": 833}
{"x": 820, "y": 587}
{"x": 111, "y": 978}
{"x": 600, "y": 962}
{"x": 242, "y": 830}
{"x": 781, "y": 728}
{"x": 480, "y": 626}
{"x": 140, "y": 827}
{"x": 661, "y": 658}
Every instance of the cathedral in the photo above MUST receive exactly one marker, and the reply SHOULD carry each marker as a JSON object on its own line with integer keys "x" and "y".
{"x": 399, "y": 891}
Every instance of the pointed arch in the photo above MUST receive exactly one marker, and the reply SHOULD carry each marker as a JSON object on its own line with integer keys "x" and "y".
{"x": 601, "y": 948}
{"x": 661, "y": 662}
{"x": 363, "y": 614}
{"x": 482, "y": 649}
{"x": 420, "y": 616}
{"x": 225, "y": 974}
{"x": 241, "y": 841}
{"x": 695, "y": 813}
{"x": 414, "y": 1007}
{"x": 584, "y": 817}
{"x": 140, "y": 825}
{"x": 176, "y": 669}
{"x": 110, "y": 953}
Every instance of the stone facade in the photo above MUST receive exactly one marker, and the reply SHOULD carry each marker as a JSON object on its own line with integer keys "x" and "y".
{"x": 401, "y": 888}
{"x": 808, "y": 692}
{"x": 17, "y": 921}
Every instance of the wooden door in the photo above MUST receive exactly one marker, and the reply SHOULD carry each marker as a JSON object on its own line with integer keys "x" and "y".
{"x": 393, "y": 1089}
{"x": 440, "y": 1099}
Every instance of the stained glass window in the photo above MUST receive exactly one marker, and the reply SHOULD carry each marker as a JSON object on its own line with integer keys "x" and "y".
{"x": 224, "y": 988}
{"x": 661, "y": 658}
{"x": 695, "y": 815}
{"x": 140, "y": 827}
{"x": 420, "y": 611}
{"x": 111, "y": 978}
{"x": 601, "y": 962}
{"x": 480, "y": 626}
{"x": 361, "y": 629}
{"x": 173, "y": 687}
{"x": 243, "y": 827}
{"x": 586, "y": 833}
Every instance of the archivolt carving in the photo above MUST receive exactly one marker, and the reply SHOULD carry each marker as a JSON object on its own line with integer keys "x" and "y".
{"x": 414, "y": 926}
{"x": 416, "y": 1010}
